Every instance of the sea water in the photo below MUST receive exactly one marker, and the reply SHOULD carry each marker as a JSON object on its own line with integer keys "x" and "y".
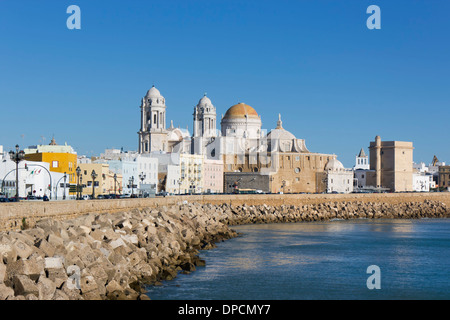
{"x": 322, "y": 260}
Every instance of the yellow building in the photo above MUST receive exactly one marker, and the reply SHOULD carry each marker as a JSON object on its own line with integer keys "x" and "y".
{"x": 62, "y": 158}
{"x": 104, "y": 181}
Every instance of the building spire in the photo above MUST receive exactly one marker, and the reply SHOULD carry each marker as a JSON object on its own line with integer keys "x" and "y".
{"x": 279, "y": 122}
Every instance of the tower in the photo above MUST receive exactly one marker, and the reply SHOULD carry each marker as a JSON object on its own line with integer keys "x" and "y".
{"x": 153, "y": 133}
{"x": 362, "y": 161}
{"x": 204, "y": 125}
{"x": 204, "y": 118}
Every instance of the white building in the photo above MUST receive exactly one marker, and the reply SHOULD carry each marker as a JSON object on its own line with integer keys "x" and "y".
{"x": 339, "y": 179}
{"x": 35, "y": 179}
{"x": 362, "y": 161}
{"x": 422, "y": 182}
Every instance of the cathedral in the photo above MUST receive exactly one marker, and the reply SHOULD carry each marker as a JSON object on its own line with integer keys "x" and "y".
{"x": 277, "y": 160}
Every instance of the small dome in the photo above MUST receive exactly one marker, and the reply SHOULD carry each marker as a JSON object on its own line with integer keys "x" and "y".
{"x": 154, "y": 93}
{"x": 241, "y": 110}
{"x": 280, "y": 134}
{"x": 204, "y": 101}
{"x": 334, "y": 165}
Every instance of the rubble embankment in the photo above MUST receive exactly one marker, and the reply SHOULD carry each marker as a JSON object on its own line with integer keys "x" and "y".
{"x": 114, "y": 256}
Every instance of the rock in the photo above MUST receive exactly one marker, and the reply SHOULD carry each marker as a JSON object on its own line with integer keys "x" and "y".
{"x": 23, "y": 250}
{"x": 23, "y": 285}
{"x": 2, "y": 273}
{"x": 54, "y": 263}
{"x": 46, "y": 288}
{"x": 47, "y": 248}
{"x": 8, "y": 252}
{"x": 55, "y": 240}
{"x": 5, "y": 292}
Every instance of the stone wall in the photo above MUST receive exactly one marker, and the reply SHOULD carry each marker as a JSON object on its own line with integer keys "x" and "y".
{"x": 12, "y": 214}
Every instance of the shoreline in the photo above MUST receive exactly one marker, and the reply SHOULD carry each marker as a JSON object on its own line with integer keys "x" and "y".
{"x": 119, "y": 254}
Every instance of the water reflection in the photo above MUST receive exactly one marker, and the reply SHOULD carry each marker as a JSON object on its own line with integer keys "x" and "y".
{"x": 323, "y": 260}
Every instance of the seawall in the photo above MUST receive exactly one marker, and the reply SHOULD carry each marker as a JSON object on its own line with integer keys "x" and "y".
{"x": 12, "y": 214}
{"x": 98, "y": 255}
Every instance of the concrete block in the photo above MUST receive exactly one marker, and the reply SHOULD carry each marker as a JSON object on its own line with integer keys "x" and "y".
{"x": 5, "y": 292}
{"x": 23, "y": 285}
{"x": 23, "y": 250}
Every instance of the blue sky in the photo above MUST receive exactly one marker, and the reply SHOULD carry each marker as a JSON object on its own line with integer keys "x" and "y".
{"x": 336, "y": 83}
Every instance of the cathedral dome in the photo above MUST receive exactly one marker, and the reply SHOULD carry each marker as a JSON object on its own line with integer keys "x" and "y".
{"x": 334, "y": 165}
{"x": 154, "y": 93}
{"x": 241, "y": 110}
{"x": 279, "y": 133}
{"x": 204, "y": 101}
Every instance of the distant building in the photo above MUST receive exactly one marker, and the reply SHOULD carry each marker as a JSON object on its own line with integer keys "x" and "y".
{"x": 444, "y": 177}
{"x": 62, "y": 158}
{"x": 339, "y": 179}
{"x": 362, "y": 161}
{"x": 392, "y": 165}
{"x": 422, "y": 182}
{"x": 212, "y": 176}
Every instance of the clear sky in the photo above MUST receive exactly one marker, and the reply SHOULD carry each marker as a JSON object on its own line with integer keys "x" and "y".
{"x": 336, "y": 83}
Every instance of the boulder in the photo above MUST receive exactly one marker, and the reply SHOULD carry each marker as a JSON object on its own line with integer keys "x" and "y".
{"x": 23, "y": 250}
{"x": 23, "y": 285}
{"x": 46, "y": 288}
{"x": 5, "y": 292}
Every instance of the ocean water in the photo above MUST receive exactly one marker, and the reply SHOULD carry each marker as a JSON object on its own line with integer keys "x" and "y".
{"x": 322, "y": 260}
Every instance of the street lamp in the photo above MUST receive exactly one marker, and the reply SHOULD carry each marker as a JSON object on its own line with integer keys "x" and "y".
{"x": 78, "y": 170}
{"x": 131, "y": 182}
{"x": 142, "y": 177}
{"x": 115, "y": 181}
{"x": 94, "y": 176}
{"x": 64, "y": 195}
{"x": 17, "y": 156}
{"x": 180, "y": 181}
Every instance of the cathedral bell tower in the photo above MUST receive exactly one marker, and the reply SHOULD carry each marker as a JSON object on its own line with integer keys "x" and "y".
{"x": 153, "y": 133}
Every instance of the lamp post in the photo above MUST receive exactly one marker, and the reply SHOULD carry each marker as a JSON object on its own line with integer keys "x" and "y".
{"x": 131, "y": 182}
{"x": 180, "y": 181}
{"x": 115, "y": 181}
{"x": 78, "y": 171}
{"x": 81, "y": 187}
{"x": 17, "y": 156}
{"x": 64, "y": 195}
{"x": 142, "y": 177}
{"x": 94, "y": 176}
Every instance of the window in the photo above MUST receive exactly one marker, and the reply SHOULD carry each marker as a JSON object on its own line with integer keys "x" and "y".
{"x": 85, "y": 172}
{"x": 297, "y": 158}
{"x": 55, "y": 164}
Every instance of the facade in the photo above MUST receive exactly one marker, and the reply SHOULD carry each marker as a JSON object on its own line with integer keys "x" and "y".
{"x": 212, "y": 176}
{"x": 62, "y": 158}
{"x": 191, "y": 173}
{"x": 35, "y": 179}
{"x": 444, "y": 177}
{"x": 128, "y": 169}
{"x": 291, "y": 167}
{"x": 422, "y": 182}
{"x": 392, "y": 165}
{"x": 102, "y": 183}
{"x": 243, "y": 182}
{"x": 339, "y": 179}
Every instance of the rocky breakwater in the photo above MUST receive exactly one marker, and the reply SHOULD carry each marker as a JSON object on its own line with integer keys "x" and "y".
{"x": 106, "y": 256}
{"x": 235, "y": 215}
{"x": 112, "y": 256}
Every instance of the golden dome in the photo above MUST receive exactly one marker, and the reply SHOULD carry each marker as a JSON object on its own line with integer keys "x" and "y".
{"x": 240, "y": 110}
